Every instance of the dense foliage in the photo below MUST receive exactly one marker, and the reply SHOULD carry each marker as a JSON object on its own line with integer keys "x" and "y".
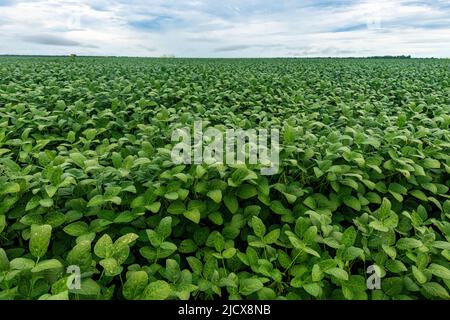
{"x": 86, "y": 179}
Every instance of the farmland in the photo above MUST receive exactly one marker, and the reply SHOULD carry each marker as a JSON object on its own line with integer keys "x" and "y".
{"x": 87, "y": 182}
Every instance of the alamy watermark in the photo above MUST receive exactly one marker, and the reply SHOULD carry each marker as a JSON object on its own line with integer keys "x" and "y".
{"x": 373, "y": 21}
{"x": 373, "y": 16}
{"x": 374, "y": 280}
{"x": 74, "y": 280}
{"x": 234, "y": 146}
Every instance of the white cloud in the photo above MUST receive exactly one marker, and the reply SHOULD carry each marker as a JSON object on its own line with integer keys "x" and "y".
{"x": 211, "y": 28}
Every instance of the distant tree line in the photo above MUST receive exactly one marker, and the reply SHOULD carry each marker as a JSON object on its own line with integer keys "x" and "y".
{"x": 390, "y": 57}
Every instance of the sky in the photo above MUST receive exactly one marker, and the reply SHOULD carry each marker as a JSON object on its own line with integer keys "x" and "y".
{"x": 226, "y": 28}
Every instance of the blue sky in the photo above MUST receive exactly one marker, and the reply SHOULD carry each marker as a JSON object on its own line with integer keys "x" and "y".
{"x": 211, "y": 28}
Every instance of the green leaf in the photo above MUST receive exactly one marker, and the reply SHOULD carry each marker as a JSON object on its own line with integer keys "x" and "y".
{"x": 419, "y": 195}
{"x": 316, "y": 274}
{"x": 229, "y": 253}
{"x": 430, "y": 187}
{"x": 338, "y": 273}
{"x": 78, "y": 159}
{"x": 258, "y": 227}
{"x": 21, "y": 264}
{"x": 408, "y": 243}
{"x": 352, "y": 253}
{"x": 172, "y": 270}
{"x": 278, "y": 208}
{"x": 420, "y": 277}
{"x": 250, "y": 286}
{"x": 266, "y": 294}
{"x": 310, "y": 202}
{"x": 50, "y": 190}
{"x": 216, "y": 240}
{"x": 352, "y": 202}
{"x": 90, "y": 134}
{"x": 231, "y": 203}
{"x": 390, "y": 251}
{"x": 10, "y": 187}
{"x": 135, "y": 285}
{"x": 88, "y": 287}
{"x": 239, "y": 175}
{"x": 247, "y": 191}
{"x": 215, "y": 195}
{"x": 171, "y": 196}
{"x": 296, "y": 282}
{"x": 216, "y": 218}
{"x": 200, "y": 171}
{"x": 167, "y": 249}
{"x": 272, "y": 236}
{"x": 46, "y": 265}
{"x": 431, "y": 164}
{"x": 187, "y": 246}
{"x": 2, "y": 223}
{"x": 80, "y": 255}
{"x": 96, "y": 201}
{"x": 120, "y": 253}
{"x": 4, "y": 262}
{"x": 349, "y": 237}
{"x": 154, "y": 207}
{"x": 195, "y": 264}
{"x": 378, "y": 225}
{"x": 385, "y": 208}
{"x": 157, "y": 290}
{"x": 55, "y": 219}
{"x": 441, "y": 245}
{"x": 103, "y": 247}
{"x": 193, "y": 215}
{"x": 436, "y": 290}
{"x": 40, "y": 240}
{"x": 396, "y": 266}
{"x": 154, "y": 237}
{"x": 311, "y": 252}
{"x": 439, "y": 271}
{"x": 110, "y": 266}
{"x": 397, "y": 188}
{"x": 165, "y": 227}
{"x": 46, "y": 203}
{"x": 313, "y": 289}
{"x": 176, "y": 208}
{"x": 56, "y": 297}
{"x": 392, "y": 286}
{"x": 296, "y": 243}
{"x": 76, "y": 229}
{"x": 32, "y": 203}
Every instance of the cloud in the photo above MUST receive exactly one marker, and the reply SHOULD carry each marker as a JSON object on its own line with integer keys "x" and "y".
{"x": 238, "y": 47}
{"x": 54, "y": 40}
{"x": 350, "y": 28}
{"x": 202, "y": 39}
{"x": 155, "y": 24}
{"x": 4, "y": 3}
{"x": 323, "y": 52}
{"x": 235, "y": 28}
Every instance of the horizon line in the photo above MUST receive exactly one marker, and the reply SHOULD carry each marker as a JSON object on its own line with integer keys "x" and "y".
{"x": 225, "y": 58}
